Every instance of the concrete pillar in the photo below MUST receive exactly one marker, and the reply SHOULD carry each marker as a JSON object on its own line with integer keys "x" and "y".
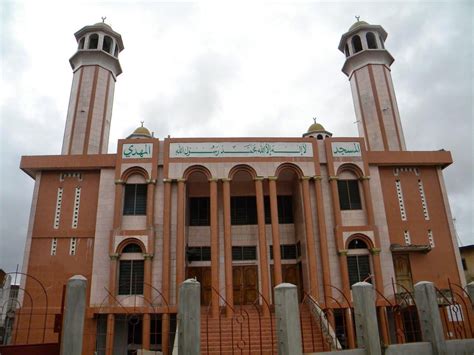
{"x": 367, "y": 329}
{"x": 228, "y": 248}
{"x": 74, "y": 313}
{"x": 214, "y": 248}
{"x": 180, "y": 247}
{"x": 189, "y": 318}
{"x": 430, "y": 320}
{"x": 287, "y": 316}
{"x": 277, "y": 276}
{"x": 470, "y": 291}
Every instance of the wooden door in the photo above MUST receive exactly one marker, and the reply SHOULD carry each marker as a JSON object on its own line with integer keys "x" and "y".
{"x": 401, "y": 263}
{"x": 290, "y": 273}
{"x": 203, "y": 275}
{"x": 245, "y": 283}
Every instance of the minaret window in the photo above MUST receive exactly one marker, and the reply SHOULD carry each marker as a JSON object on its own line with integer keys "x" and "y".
{"x": 346, "y": 50}
{"x": 81, "y": 43}
{"x": 356, "y": 44}
{"x": 371, "y": 41}
{"x": 93, "y": 41}
{"x": 107, "y": 45}
{"x": 381, "y": 42}
{"x": 116, "y": 51}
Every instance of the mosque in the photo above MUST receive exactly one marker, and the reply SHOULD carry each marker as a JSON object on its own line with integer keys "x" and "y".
{"x": 240, "y": 214}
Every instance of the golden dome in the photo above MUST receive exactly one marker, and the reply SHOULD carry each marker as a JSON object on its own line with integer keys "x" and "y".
{"x": 316, "y": 127}
{"x": 141, "y": 132}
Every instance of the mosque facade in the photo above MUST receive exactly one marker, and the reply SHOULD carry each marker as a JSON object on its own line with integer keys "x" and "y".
{"x": 240, "y": 214}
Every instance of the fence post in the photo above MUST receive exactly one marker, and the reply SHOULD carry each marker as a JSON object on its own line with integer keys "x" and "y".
{"x": 367, "y": 329}
{"x": 74, "y": 313}
{"x": 287, "y": 314}
{"x": 189, "y": 318}
{"x": 470, "y": 291}
{"x": 430, "y": 320}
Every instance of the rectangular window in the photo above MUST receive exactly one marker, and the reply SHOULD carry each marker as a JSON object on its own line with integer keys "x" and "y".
{"x": 135, "y": 200}
{"x": 131, "y": 277}
{"x": 349, "y": 196}
{"x": 243, "y": 210}
{"x": 287, "y": 251}
{"x": 244, "y": 253}
{"x": 285, "y": 209}
{"x": 359, "y": 268}
{"x": 198, "y": 253}
{"x": 199, "y": 208}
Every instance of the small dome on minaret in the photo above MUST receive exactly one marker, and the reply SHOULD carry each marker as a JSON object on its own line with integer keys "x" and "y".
{"x": 141, "y": 132}
{"x": 316, "y": 130}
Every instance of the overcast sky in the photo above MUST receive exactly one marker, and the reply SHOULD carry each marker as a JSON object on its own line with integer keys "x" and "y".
{"x": 232, "y": 69}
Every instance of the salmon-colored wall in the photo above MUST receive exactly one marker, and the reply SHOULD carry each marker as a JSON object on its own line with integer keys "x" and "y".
{"x": 442, "y": 254}
{"x": 55, "y": 270}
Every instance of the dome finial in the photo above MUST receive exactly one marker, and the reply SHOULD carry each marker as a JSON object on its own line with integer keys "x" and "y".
{"x": 103, "y": 18}
{"x": 357, "y": 18}
{"x": 314, "y": 119}
{"x": 142, "y": 122}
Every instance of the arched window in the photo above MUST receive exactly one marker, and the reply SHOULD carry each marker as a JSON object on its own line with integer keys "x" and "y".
{"x": 346, "y": 50}
{"x": 81, "y": 43}
{"x": 358, "y": 262}
{"x": 319, "y": 136}
{"x": 107, "y": 45}
{"x": 93, "y": 41}
{"x": 131, "y": 270}
{"x": 371, "y": 41}
{"x": 356, "y": 44}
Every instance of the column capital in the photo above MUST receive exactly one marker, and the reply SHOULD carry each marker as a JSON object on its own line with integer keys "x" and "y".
{"x": 167, "y": 180}
{"x": 226, "y": 179}
{"x": 333, "y": 178}
{"x": 114, "y": 256}
{"x": 365, "y": 177}
{"x": 305, "y": 178}
{"x": 317, "y": 177}
{"x": 273, "y": 178}
{"x": 119, "y": 182}
{"x": 181, "y": 180}
{"x": 375, "y": 251}
{"x": 342, "y": 252}
{"x": 151, "y": 181}
{"x": 213, "y": 179}
{"x": 148, "y": 256}
{"x": 258, "y": 178}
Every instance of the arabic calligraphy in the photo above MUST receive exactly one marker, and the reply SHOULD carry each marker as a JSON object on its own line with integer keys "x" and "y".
{"x": 240, "y": 149}
{"x": 136, "y": 151}
{"x": 346, "y": 149}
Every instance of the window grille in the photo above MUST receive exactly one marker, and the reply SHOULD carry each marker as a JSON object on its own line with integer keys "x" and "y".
{"x": 75, "y": 212}
{"x": 240, "y": 253}
{"x": 401, "y": 203}
{"x": 131, "y": 277}
{"x": 199, "y": 211}
{"x": 423, "y": 200}
{"x": 349, "y": 195}
{"x": 135, "y": 199}
{"x": 72, "y": 246}
{"x": 57, "y": 213}
{"x": 54, "y": 246}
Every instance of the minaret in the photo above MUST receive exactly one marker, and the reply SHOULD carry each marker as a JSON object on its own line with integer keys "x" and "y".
{"x": 368, "y": 68}
{"x": 95, "y": 66}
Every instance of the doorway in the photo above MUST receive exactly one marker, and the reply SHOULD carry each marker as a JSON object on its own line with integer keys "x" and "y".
{"x": 245, "y": 284}
{"x": 203, "y": 275}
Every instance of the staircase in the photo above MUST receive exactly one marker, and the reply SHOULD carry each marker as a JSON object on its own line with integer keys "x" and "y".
{"x": 248, "y": 332}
